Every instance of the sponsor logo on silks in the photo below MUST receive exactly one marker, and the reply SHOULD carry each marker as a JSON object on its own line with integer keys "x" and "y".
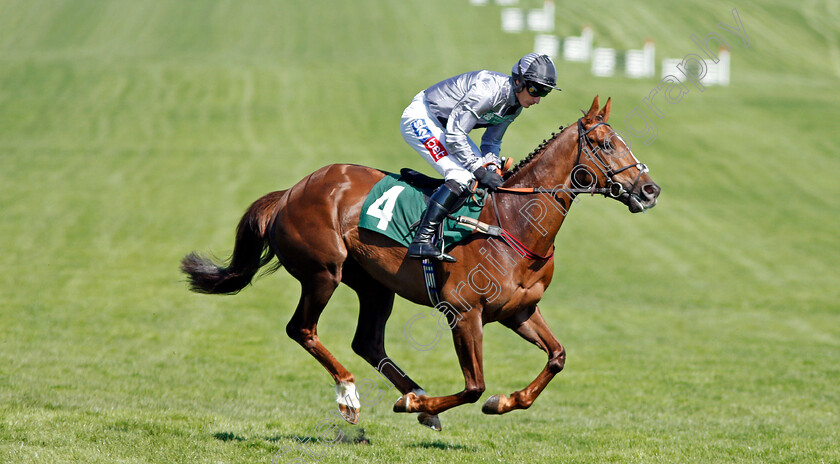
{"x": 424, "y": 134}
{"x": 494, "y": 119}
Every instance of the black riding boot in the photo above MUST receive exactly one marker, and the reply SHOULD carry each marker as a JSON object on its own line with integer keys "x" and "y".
{"x": 440, "y": 203}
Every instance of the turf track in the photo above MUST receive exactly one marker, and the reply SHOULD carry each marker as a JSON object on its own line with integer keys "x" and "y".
{"x": 133, "y": 132}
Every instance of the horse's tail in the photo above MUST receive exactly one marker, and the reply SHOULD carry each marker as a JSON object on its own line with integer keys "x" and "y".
{"x": 250, "y": 253}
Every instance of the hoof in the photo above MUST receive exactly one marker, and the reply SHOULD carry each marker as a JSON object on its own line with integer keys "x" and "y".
{"x": 349, "y": 413}
{"x": 430, "y": 421}
{"x": 404, "y": 403}
{"x": 491, "y": 406}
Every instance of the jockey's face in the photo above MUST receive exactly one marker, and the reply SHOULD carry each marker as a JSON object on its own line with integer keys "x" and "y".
{"x": 526, "y": 99}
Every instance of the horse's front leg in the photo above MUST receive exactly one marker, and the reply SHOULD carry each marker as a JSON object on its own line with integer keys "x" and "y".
{"x": 535, "y": 330}
{"x": 467, "y": 336}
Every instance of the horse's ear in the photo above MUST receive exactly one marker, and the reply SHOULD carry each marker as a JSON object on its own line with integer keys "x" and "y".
{"x": 604, "y": 114}
{"x": 590, "y": 115}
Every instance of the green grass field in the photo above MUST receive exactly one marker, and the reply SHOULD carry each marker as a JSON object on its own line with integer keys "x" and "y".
{"x": 131, "y": 133}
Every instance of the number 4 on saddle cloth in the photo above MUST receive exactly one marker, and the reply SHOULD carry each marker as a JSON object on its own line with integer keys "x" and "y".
{"x": 396, "y": 204}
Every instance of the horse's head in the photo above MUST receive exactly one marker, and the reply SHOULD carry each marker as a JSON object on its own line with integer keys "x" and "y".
{"x": 605, "y": 162}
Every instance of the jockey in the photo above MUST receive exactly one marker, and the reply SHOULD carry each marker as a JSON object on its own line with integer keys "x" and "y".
{"x": 437, "y": 122}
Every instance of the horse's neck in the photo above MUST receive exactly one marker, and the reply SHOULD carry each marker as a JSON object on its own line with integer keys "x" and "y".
{"x": 536, "y": 219}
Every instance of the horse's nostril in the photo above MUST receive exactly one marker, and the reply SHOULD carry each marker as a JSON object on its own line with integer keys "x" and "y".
{"x": 650, "y": 191}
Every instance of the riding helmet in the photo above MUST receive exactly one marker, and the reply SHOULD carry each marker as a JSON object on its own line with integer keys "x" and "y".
{"x": 536, "y": 68}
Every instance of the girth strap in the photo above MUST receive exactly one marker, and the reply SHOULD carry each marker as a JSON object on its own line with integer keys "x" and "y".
{"x": 431, "y": 282}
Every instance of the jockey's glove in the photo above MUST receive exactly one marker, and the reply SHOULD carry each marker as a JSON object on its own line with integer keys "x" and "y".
{"x": 488, "y": 178}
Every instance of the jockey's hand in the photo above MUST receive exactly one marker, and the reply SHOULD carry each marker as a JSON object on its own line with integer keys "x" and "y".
{"x": 488, "y": 178}
{"x": 491, "y": 158}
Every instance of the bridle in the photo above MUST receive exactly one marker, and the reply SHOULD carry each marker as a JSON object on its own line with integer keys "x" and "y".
{"x": 611, "y": 188}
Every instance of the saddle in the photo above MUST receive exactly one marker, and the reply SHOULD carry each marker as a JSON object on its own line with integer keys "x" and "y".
{"x": 419, "y": 180}
{"x": 429, "y": 184}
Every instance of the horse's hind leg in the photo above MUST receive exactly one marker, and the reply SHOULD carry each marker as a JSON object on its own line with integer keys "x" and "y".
{"x": 375, "y": 304}
{"x": 535, "y": 330}
{"x": 317, "y": 289}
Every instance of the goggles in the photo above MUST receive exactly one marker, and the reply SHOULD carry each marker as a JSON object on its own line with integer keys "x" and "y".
{"x": 537, "y": 90}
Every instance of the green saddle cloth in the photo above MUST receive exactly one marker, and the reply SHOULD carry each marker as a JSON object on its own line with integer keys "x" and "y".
{"x": 393, "y": 206}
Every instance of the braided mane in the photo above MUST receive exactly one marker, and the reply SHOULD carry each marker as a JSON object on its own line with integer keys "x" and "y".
{"x": 533, "y": 154}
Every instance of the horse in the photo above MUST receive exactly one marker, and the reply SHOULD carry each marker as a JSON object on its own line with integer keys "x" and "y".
{"x": 312, "y": 230}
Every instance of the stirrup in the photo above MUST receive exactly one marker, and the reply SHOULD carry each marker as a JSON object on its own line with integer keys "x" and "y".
{"x": 446, "y": 257}
{"x": 427, "y": 251}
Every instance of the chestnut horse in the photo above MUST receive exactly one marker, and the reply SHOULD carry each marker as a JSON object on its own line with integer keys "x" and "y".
{"x": 312, "y": 230}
